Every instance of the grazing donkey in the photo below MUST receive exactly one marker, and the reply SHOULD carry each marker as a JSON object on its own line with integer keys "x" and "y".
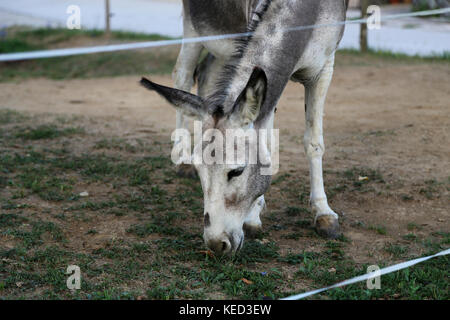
{"x": 240, "y": 83}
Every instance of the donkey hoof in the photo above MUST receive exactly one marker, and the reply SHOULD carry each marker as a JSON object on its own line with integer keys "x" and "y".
{"x": 251, "y": 230}
{"x": 186, "y": 171}
{"x": 327, "y": 226}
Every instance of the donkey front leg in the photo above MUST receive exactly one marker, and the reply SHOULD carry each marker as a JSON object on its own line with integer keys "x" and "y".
{"x": 253, "y": 224}
{"x": 183, "y": 77}
{"x": 326, "y": 220}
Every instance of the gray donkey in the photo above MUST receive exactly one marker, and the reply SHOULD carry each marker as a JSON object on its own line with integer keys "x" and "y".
{"x": 240, "y": 83}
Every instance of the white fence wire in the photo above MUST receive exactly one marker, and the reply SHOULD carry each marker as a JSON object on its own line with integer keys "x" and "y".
{"x": 367, "y": 276}
{"x": 153, "y": 44}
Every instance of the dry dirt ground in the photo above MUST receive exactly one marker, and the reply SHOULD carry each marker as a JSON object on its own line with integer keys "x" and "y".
{"x": 390, "y": 124}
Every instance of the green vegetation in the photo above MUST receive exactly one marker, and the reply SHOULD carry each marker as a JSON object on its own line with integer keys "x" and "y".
{"x": 46, "y": 132}
{"x": 11, "y": 116}
{"x": 20, "y": 39}
{"x": 379, "y": 229}
{"x": 134, "y": 62}
{"x": 423, "y": 281}
{"x": 378, "y": 57}
{"x": 151, "y": 61}
{"x": 138, "y": 233}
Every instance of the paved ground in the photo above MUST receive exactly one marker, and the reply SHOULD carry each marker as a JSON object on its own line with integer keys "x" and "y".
{"x": 408, "y": 35}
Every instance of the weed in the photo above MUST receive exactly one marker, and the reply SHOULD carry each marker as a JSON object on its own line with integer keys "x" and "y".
{"x": 379, "y": 229}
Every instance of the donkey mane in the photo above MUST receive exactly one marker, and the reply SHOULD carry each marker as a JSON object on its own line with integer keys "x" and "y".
{"x": 216, "y": 100}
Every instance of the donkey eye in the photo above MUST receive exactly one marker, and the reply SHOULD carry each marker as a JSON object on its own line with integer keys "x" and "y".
{"x": 235, "y": 173}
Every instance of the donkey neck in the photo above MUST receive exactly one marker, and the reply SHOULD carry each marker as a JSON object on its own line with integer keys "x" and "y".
{"x": 219, "y": 16}
{"x": 271, "y": 47}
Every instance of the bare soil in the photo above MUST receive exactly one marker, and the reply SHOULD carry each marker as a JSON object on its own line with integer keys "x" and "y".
{"x": 392, "y": 119}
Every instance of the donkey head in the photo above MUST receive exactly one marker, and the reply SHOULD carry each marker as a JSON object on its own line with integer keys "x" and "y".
{"x": 232, "y": 186}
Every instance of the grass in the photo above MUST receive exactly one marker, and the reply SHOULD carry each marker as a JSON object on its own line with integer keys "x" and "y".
{"x": 161, "y": 253}
{"x": 33, "y": 237}
{"x": 86, "y": 66}
{"x": 11, "y": 116}
{"x": 46, "y": 131}
{"x": 381, "y": 230}
{"x": 17, "y": 45}
{"x": 19, "y": 39}
{"x": 431, "y": 189}
{"x": 424, "y": 281}
{"x": 398, "y": 251}
{"x": 135, "y": 62}
{"x": 377, "y": 56}
{"x": 138, "y": 235}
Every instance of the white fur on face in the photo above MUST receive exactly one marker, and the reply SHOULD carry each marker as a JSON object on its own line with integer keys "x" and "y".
{"x": 221, "y": 198}
{"x": 226, "y": 201}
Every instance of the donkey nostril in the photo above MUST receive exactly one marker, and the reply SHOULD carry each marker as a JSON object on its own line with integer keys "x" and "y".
{"x": 207, "y": 221}
{"x": 224, "y": 246}
{"x": 221, "y": 246}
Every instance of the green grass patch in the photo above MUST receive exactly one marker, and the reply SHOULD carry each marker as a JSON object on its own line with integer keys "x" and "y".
{"x": 373, "y": 57}
{"x": 47, "y": 131}
{"x": 428, "y": 280}
{"x": 139, "y": 62}
{"x": 33, "y": 237}
{"x": 8, "y": 116}
{"x": 378, "y": 229}
{"x": 11, "y": 220}
{"x": 17, "y": 45}
{"x": 395, "y": 250}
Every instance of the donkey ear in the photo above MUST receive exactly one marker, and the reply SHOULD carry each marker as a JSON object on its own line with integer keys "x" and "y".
{"x": 190, "y": 104}
{"x": 248, "y": 104}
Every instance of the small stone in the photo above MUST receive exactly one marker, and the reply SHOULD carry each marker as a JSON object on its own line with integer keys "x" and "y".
{"x": 84, "y": 194}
